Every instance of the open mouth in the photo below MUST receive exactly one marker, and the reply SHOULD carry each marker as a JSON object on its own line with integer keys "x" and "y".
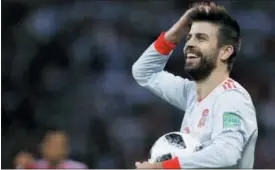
{"x": 191, "y": 56}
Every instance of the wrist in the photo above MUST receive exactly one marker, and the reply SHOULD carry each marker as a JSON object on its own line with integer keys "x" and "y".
{"x": 164, "y": 46}
{"x": 171, "y": 164}
{"x": 178, "y": 30}
{"x": 171, "y": 36}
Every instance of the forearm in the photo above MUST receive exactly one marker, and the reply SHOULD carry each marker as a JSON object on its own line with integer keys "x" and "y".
{"x": 148, "y": 72}
{"x": 216, "y": 156}
{"x": 212, "y": 157}
{"x": 223, "y": 153}
{"x": 153, "y": 60}
{"x": 177, "y": 31}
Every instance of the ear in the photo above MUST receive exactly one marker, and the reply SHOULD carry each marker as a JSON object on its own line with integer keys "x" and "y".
{"x": 226, "y": 51}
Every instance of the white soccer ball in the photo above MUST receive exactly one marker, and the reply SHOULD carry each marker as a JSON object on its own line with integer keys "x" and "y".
{"x": 171, "y": 145}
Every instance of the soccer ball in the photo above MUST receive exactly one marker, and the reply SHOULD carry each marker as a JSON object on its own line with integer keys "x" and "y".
{"x": 171, "y": 145}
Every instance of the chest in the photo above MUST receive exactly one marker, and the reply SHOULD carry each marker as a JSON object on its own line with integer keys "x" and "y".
{"x": 198, "y": 120}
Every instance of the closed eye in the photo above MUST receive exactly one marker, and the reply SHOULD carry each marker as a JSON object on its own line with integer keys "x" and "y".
{"x": 202, "y": 37}
{"x": 198, "y": 36}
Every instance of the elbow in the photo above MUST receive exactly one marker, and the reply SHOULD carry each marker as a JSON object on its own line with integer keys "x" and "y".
{"x": 135, "y": 72}
{"x": 231, "y": 162}
{"x": 231, "y": 156}
{"x": 139, "y": 76}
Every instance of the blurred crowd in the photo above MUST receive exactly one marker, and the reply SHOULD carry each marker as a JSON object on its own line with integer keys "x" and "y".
{"x": 66, "y": 65}
{"x": 53, "y": 154}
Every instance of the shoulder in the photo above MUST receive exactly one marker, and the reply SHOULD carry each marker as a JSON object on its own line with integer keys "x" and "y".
{"x": 235, "y": 100}
{"x": 191, "y": 85}
{"x": 75, "y": 164}
{"x": 234, "y": 104}
{"x": 232, "y": 91}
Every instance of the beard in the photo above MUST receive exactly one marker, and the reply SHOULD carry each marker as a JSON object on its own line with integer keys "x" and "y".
{"x": 201, "y": 70}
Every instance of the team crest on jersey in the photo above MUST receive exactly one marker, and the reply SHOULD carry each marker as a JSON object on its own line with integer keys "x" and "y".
{"x": 187, "y": 130}
{"x": 203, "y": 118}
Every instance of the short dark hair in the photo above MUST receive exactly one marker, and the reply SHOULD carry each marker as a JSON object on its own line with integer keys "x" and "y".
{"x": 229, "y": 31}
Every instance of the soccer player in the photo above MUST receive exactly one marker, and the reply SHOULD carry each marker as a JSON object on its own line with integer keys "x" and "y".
{"x": 218, "y": 111}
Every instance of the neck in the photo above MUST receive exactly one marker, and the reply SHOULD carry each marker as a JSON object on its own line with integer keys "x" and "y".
{"x": 208, "y": 85}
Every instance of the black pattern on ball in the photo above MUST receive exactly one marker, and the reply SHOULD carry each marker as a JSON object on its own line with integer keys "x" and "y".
{"x": 164, "y": 157}
{"x": 176, "y": 140}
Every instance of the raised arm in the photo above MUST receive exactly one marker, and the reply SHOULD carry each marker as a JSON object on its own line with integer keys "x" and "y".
{"x": 148, "y": 69}
{"x": 148, "y": 72}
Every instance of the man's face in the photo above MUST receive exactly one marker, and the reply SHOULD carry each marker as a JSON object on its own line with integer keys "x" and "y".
{"x": 55, "y": 147}
{"x": 201, "y": 50}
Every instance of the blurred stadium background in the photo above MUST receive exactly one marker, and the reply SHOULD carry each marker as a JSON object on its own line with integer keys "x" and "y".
{"x": 67, "y": 65}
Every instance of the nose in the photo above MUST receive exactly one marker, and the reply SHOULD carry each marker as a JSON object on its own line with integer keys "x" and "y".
{"x": 190, "y": 44}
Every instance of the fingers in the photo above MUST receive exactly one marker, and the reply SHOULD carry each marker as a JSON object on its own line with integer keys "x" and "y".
{"x": 204, "y": 6}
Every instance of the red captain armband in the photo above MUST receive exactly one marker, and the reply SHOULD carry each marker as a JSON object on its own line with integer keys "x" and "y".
{"x": 171, "y": 164}
{"x": 163, "y": 46}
